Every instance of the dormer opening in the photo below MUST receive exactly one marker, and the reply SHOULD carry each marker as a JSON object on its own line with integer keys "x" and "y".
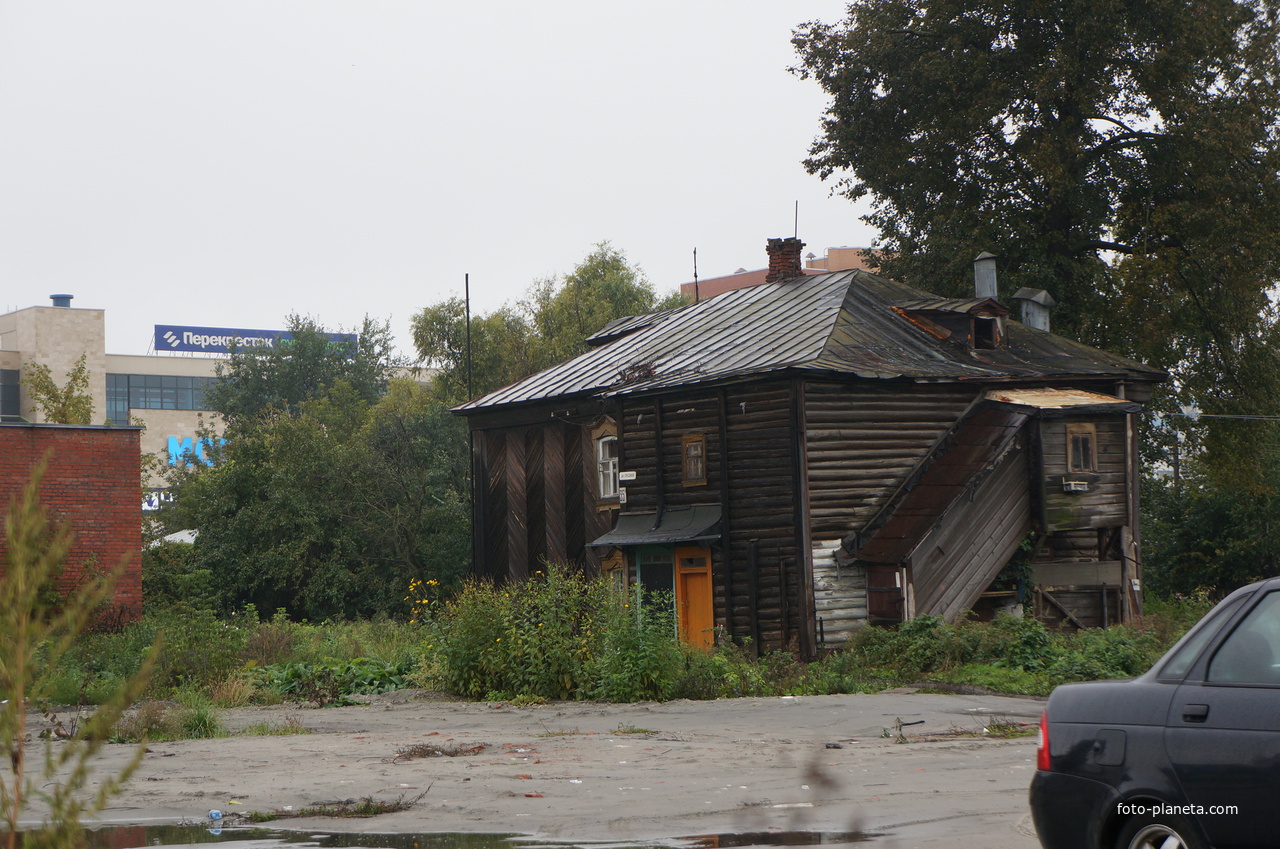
{"x": 972, "y": 323}
{"x": 986, "y": 332}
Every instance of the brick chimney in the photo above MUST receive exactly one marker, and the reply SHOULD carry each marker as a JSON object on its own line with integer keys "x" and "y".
{"x": 784, "y": 259}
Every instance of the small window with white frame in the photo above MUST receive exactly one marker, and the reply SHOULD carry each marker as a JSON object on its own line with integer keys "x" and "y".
{"x": 607, "y": 466}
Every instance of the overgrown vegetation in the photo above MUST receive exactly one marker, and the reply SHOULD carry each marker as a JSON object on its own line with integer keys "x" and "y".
{"x": 563, "y": 636}
{"x": 332, "y": 486}
{"x": 557, "y": 636}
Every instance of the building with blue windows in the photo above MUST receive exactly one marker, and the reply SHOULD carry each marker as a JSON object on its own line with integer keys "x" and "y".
{"x": 164, "y": 391}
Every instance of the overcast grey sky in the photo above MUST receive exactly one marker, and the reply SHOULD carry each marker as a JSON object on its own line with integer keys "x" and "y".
{"x": 227, "y": 162}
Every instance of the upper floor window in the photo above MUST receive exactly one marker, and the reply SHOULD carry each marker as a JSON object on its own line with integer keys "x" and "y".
{"x": 694, "y": 458}
{"x": 127, "y": 392}
{"x": 607, "y": 467}
{"x": 1082, "y": 447}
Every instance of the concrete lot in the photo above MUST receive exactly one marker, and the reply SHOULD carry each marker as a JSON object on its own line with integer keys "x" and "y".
{"x": 590, "y": 771}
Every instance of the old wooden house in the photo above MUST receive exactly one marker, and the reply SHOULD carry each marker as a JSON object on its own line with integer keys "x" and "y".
{"x": 796, "y": 459}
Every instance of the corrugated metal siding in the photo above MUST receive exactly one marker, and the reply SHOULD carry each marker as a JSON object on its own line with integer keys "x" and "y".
{"x": 862, "y": 440}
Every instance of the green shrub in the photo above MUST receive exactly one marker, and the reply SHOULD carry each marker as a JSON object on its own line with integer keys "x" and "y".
{"x": 1005, "y": 641}
{"x": 196, "y": 718}
{"x": 1116, "y": 652}
{"x": 632, "y": 653}
{"x": 171, "y": 577}
{"x": 196, "y": 648}
{"x": 557, "y": 635}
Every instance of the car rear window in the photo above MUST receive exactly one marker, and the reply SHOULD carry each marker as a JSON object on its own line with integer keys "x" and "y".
{"x": 1248, "y": 655}
{"x": 1182, "y": 655}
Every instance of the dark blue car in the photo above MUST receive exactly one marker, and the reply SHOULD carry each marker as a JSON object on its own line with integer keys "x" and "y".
{"x": 1186, "y": 755}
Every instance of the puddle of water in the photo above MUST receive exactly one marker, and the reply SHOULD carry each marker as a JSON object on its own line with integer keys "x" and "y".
{"x": 140, "y": 836}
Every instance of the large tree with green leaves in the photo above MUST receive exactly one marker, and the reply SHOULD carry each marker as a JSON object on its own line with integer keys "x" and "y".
{"x": 257, "y": 379}
{"x": 335, "y": 486}
{"x": 550, "y": 325}
{"x": 1122, "y": 155}
{"x": 330, "y": 512}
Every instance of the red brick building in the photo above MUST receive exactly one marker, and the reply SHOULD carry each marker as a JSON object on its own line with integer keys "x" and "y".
{"x": 94, "y": 483}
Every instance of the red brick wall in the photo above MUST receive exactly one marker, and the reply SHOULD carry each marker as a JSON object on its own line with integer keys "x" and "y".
{"x": 94, "y": 482}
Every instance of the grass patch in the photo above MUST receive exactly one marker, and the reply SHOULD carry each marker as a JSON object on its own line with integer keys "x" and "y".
{"x": 157, "y": 721}
{"x": 627, "y": 728}
{"x": 289, "y": 725}
{"x": 559, "y": 732}
{"x": 992, "y": 727}
{"x": 438, "y": 750}
{"x": 997, "y": 679}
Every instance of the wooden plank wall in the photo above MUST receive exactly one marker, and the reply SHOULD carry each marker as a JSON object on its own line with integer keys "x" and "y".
{"x": 957, "y": 561}
{"x": 863, "y": 441}
{"x": 538, "y": 501}
{"x": 840, "y": 596}
{"x": 1106, "y": 504}
{"x": 760, "y": 512}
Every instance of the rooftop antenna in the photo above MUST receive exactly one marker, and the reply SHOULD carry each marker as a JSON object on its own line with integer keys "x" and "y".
{"x": 695, "y": 275}
{"x": 796, "y": 222}
{"x": 466, "y": 284}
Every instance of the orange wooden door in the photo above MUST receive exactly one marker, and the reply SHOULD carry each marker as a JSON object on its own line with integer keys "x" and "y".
{"x": 695, "y": 609}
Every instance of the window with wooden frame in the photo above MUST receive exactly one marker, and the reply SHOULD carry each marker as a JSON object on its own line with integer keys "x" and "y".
{"x": 1082, "y": 447}
{"x": 693, "y": 454}
{"x": 607, "y": 467}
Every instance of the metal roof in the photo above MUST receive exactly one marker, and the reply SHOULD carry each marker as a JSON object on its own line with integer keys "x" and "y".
{"x": 675, "y": 524}
{"x": 1061, "y": 401}
{"x": 838, "y": 323}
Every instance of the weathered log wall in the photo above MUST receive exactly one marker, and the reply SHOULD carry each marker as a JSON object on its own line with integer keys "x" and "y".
{"x": 756, "y": 569}
{"x": 862, "y": 441}
{"x": 1106, "y": 501}
{"x": 840, "y": 596}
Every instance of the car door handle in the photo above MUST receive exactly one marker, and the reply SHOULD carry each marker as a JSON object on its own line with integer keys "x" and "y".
{"x": 1195, "y": 713}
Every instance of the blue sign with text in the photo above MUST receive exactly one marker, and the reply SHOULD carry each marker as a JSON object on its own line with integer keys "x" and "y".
{"x": 222, "y": 340}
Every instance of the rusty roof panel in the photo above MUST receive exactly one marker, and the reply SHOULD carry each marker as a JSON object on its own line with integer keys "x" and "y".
{"x": 839, "y": 323}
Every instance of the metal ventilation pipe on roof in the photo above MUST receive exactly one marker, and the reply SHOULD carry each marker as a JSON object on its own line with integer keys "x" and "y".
{"x": 1035, "y": 307}
{"x": 61, "y": 300}
{"x": 984, "y": 276}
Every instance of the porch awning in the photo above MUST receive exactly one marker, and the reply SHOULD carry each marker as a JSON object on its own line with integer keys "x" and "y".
{"x": 674, "y": 524}
{"x": 1051, "y": 403}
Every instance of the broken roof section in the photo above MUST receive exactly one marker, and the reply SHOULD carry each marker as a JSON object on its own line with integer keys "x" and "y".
{"x": 845, "y": 323}
{"x": 1048, "y": 403}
